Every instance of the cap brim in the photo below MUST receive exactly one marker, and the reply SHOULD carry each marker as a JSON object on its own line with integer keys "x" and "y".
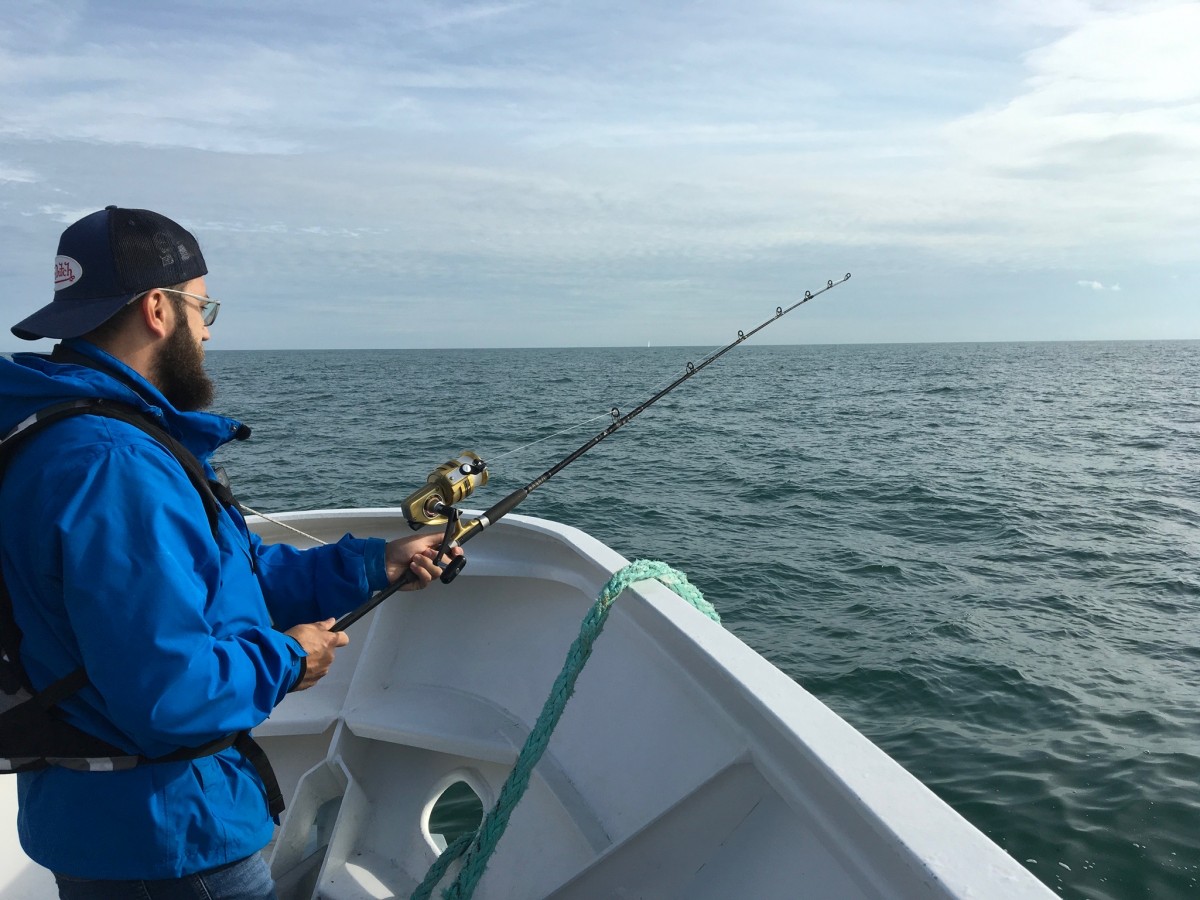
{"x": 70, "y": 318}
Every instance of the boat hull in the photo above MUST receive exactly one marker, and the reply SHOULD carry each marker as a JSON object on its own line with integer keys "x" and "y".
{"x": 685, "y": 765}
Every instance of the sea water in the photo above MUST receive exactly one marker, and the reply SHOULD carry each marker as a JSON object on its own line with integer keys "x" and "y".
{"x": 986, "y": 557}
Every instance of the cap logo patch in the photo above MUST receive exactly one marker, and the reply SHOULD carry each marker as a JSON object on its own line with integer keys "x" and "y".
{"x": 66, "y": 272}
{"x": 163, "y": 243}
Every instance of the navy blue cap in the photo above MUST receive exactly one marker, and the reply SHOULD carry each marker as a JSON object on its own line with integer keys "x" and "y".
{"x": 104, "y": 261}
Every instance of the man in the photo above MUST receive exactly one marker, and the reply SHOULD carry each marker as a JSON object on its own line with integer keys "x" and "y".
{"x": 188, "y": 627}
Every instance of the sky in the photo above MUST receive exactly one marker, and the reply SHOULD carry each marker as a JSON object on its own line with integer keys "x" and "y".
{"x": 369, "y": 174}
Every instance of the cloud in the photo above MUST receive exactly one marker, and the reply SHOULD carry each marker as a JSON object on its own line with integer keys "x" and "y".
{"x": 1064, "y": 14}
{"x": 1084, "y": 160}
{"x": 64, "y": 215}
{"x": 511, "y": 156}
{"x": 16, "y": 174}
{"x": 1098, "y": 286}
{"x": 274, "y": 79}
{"x": 1088, "y": 97}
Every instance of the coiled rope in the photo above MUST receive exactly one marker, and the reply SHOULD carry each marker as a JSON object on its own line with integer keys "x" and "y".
{"x": 476, "y": 849}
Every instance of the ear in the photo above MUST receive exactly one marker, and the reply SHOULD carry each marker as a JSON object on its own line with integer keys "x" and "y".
{"x": 157, "y": 313}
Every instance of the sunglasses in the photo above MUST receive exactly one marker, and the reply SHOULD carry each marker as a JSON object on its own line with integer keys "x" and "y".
{"x": 208, "y": 306}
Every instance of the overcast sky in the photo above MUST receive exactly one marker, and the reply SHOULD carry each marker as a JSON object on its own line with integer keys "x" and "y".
{"x": 466, "y": 174}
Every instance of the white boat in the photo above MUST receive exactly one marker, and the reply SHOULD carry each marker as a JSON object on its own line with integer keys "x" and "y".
{"x": 685, "y": 765}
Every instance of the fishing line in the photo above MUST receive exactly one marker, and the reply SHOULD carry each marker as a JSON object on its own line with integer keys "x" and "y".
{"x": 566, "y": 430}
{"x": 588, "y": 421}
{"x": 454, "y": 481}
{"x": 262, "y": 515}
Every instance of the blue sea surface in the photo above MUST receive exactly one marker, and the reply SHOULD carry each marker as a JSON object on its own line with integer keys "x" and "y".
{"x": 986, "y": 557}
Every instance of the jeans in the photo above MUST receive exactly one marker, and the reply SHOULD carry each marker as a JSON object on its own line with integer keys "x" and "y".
{"x": 247, "y": 879}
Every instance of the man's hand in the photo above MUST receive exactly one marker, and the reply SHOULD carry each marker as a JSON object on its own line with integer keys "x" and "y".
{"x": 416, "y": 554}
{"x": 319, "y": 643}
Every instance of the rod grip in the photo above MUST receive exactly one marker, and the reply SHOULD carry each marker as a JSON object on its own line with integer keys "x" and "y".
{"x": 507, "y": 505}
{"x": 351, "y": 617}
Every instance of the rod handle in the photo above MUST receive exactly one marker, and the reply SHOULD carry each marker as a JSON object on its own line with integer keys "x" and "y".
{"x": 351, "y": 617}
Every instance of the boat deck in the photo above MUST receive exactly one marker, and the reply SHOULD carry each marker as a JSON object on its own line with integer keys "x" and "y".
{"x": 685, "y": 766}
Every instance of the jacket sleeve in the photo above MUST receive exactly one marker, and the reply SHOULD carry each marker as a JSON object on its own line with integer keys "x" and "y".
{"x": 139, "y": 568}
{"x": 303, "y": 586}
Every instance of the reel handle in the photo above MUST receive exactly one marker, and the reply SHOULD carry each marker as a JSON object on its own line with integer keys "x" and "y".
{"x": 451, "y": 569}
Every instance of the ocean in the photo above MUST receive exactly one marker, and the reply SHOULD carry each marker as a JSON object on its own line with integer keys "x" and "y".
{"x": 986, "y": 557}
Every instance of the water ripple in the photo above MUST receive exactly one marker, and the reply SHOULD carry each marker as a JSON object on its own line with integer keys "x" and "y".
{"x": 984, "y": 556}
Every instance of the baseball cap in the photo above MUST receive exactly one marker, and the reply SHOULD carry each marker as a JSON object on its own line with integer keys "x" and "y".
{"x": 105, "y": 260}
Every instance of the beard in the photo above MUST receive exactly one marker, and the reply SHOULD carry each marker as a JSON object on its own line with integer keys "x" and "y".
{"x": 179, "y": 371}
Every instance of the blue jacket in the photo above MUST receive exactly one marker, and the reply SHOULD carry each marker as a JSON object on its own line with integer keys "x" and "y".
{"x": 112, "y": 564}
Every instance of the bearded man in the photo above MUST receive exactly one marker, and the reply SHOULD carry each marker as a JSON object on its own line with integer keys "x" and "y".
{"x": 139, "y": 607}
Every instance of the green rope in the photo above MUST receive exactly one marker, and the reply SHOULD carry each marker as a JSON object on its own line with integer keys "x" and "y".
{"x": 477, "y": 848}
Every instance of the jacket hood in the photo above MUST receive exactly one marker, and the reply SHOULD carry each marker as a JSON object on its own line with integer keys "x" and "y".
{"x": 32, "y": 381}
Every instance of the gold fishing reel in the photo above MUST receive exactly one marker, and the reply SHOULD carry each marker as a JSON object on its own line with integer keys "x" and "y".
{"x": 447, "y": 485}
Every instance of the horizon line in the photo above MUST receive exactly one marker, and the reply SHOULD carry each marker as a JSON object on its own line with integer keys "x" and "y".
{"x": 1176, "y": 340}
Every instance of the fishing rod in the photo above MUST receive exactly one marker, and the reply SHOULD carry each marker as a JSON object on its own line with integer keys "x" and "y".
{"x": 452, "y": 482}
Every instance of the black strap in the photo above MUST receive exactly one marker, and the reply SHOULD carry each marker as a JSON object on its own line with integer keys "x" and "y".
{"x": 222, "y": 491}
{"x": 212, "y": 494}
{"x": 109, "y": 409}
{"x": 55, "y": 693}
{"x": 185, "y": 753}
{"x": 12, "y": 674}
{"x": 257, "y": 756}
{"x": 10, "y": 635}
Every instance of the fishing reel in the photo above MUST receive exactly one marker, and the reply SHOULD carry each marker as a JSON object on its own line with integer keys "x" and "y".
{"x": 447, "y": 485}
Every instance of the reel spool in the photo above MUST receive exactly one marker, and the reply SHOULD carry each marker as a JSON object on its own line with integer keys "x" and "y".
{"x": 447, "y": 485}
